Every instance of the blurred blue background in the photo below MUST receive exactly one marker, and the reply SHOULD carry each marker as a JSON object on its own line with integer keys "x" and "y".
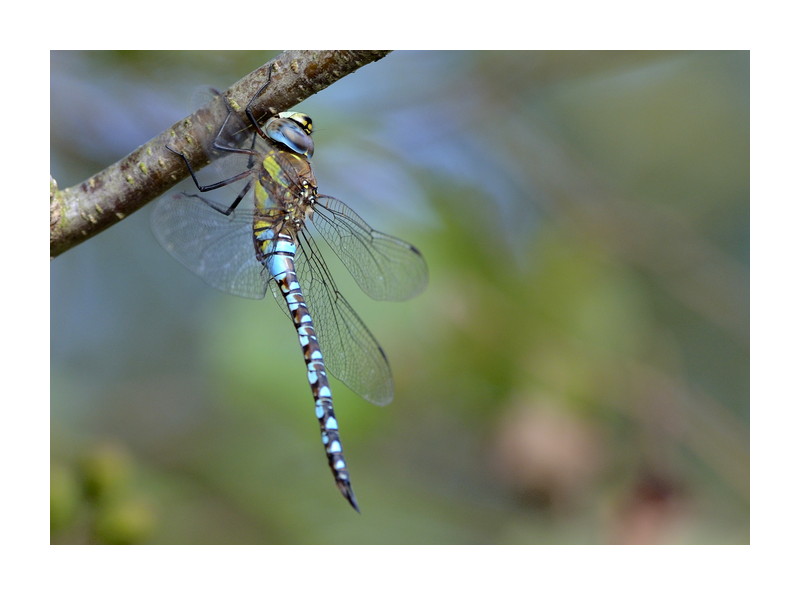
{"x": 576, "y": 371}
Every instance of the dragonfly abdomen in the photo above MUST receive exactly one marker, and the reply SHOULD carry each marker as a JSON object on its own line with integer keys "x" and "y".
{"x": 282, "y": 270}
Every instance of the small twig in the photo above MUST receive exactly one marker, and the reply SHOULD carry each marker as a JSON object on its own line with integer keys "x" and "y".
{"x": 84, "y": 210}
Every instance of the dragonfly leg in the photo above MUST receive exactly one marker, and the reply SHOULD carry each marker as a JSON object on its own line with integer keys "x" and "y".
{"x": 208, "y": 187}
{"x": 228, "y": 148}
{"x": 219, "y": 209}
{"x": 249, "y": 111}
{"x": 253, "y": 154}
{"x": 222, "y": 147}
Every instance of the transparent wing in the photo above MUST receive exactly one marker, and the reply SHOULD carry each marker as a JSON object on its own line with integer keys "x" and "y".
{"x": 216, "y": 247}
{"x": 350, "y": 350}
{"x": 385, "y": 267}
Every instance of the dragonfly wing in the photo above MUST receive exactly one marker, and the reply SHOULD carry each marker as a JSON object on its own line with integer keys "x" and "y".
{"x": 216, "y": 247}
{"x": 351, "y": 352}
{"x": 385, "y": 267}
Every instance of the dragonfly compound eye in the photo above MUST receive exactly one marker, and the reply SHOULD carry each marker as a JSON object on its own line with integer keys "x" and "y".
{"x": 303, "y": 120}
{"x": 291, "y": 134}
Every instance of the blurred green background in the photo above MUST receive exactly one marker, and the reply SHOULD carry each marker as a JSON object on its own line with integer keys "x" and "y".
{"x": 576, "y": 371}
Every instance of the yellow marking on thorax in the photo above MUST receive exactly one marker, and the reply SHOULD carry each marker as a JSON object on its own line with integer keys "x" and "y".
{"x": 261, "y": 195}
{"x": 273, "y": 168}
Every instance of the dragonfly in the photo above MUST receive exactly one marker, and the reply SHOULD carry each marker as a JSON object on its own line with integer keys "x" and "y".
{"x": 262, "y": 240}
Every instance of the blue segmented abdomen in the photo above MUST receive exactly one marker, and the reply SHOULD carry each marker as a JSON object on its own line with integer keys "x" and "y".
{"x": 281, "y": 266}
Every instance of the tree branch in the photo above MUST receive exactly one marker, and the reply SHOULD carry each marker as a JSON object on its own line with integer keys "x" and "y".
{"x": 84, "y": 210}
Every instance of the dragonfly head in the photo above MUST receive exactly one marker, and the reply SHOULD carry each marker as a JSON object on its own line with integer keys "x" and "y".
{"x": 304, "y": 120}
{"x": 293, "y": 131}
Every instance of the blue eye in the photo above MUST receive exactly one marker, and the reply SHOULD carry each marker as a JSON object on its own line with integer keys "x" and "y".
{"x": 292, "y": 130}
{"x": 304, "y": 120}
